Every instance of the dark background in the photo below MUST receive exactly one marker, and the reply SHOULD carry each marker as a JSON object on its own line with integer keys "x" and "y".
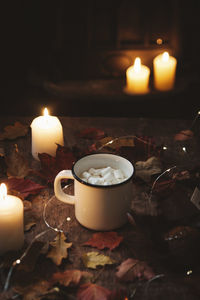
{"x": 72, "y": 55}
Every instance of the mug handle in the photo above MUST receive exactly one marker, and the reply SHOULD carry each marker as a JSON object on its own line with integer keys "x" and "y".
{"x": 60, "y": 195}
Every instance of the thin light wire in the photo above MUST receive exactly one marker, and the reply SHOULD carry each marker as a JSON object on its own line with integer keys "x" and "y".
{"x": 124, "y": 137}
{"x": 156, "y": 180}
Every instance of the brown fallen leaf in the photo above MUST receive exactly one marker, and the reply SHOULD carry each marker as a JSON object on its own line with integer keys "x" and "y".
{"x": 94, "y": 259}
{"x": 184, "y": 135}
{"x": 132, "y": 269}
{"x": 91, "y": 133}
{"x": 59, "y": 249}
{"x": 90, "y": 291}
{"x": 70, "y": 277}
{"x": 35, "y": 291}
{"x": 12, "y": 132}
{"x": 103, "y": 240}
{"x": 51, "y": 166}
{"x": 17, "y": 164}
{"x": 25, "y": 187}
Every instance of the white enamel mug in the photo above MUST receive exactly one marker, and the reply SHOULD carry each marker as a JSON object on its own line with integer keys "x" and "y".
{"x": 98, "y": 207}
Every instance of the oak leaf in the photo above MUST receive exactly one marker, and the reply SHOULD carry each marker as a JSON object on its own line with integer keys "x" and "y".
{"x": 59, "y": 249}
{"x": 12, "y": 132}
{"x": 184, "y": 135}
{"x": 103, "y": 240}
{"x": 25, "y": 187}
{"x": 94, "y": 259}
{"x": 70, "y": 277}
{"x": 51, "y": 166}
{"x": 17, "y": 164}
{"x": 91, "y": 291}
{"x": 91, "y": 133}
{"x": 131, "y": 269}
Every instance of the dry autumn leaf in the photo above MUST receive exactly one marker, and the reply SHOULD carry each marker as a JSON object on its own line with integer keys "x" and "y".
{"x": 132, "y": 269}
{"x": 25, "y": 187}
{"x": 103, "y": 240}
{"x": 29, "y": 221}
{"x": 94, "y": 259}
{"x": 90, "y": 291}
{"x": 70, "y": 277}
{"x": 91, "y": 134}
{"x": 51, "y": 166}
{"x": 184, "y": 135}
{"x": 17, "y": 164}
{"x": 59, "y": 249}
{"x": 12, "y": 132}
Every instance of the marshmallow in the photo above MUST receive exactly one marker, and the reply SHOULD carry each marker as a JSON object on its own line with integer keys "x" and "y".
{"x": 86, "y": 175}
{"x": 104, "y": 171}
{"x": 118, "y": 174}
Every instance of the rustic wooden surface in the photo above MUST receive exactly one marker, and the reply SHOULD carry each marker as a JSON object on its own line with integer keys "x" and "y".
{"x": 143, "y": 241}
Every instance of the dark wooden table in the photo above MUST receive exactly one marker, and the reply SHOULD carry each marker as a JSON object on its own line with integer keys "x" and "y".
{"x": 144, "y": 241}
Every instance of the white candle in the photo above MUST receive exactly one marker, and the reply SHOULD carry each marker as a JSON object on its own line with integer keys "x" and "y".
{"x": 11, "y": 221}
{"x": 137, "y": 78}
{"x": 164, "y": 67}
{"x": 46, "y": 133}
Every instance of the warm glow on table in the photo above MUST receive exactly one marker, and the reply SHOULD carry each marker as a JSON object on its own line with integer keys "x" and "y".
{"x": 137, "y": 78}
{"x": 164, "y": 67}
{"x": 11, "y": 221}
{"x": 46, "y": 133}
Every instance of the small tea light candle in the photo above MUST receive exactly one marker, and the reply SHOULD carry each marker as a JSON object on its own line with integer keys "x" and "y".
{"x": 137, "y": 78}
{"x": 11, "y": 221}
{"x": 164, "y": 67}
{"x": 46, "y": 133}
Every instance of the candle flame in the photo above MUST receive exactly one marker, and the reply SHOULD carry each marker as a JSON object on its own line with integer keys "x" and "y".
{"x": 46, "y": 113}
{"x": 165, "y": 56}
{"x": 137, "y": 64}
{"x": 3, "y": 191}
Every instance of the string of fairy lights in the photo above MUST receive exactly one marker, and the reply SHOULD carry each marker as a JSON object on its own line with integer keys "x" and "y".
{"x": 58, "y": 228}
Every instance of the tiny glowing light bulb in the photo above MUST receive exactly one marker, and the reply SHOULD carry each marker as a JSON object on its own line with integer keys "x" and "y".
{"x": 189, "y": 272}
{"x": 164, "y": 148}
{"x": 159, "y": 41}
{"x": 68, "y": 219}
{"x": 184, "y": 149}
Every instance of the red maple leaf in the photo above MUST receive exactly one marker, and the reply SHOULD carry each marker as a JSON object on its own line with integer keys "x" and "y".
{"x": 91, "y": 134}
{"x": 24, "y": 186}
{"x": 103, "y": 240}
{"x": 90, "y": 291}
{"x": 131, "y": 269}
{"x": 51, "y": 166}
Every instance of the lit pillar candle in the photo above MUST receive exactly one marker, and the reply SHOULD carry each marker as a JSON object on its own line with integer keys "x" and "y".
{"x": 46, "y": 133}
{"x": 11, "y": 221}
{"x": 164, "y": 67}
{"x": 137, "y": 78}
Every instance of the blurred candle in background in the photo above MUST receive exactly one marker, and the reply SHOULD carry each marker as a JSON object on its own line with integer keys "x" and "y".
{"x": 164, "y": 67}
{"x": 47, "y": 132}
{"x": 137, "y": 78}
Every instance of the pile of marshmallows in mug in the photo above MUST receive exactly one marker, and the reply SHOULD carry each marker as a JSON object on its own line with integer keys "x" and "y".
{"x": 103, "y": 176}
